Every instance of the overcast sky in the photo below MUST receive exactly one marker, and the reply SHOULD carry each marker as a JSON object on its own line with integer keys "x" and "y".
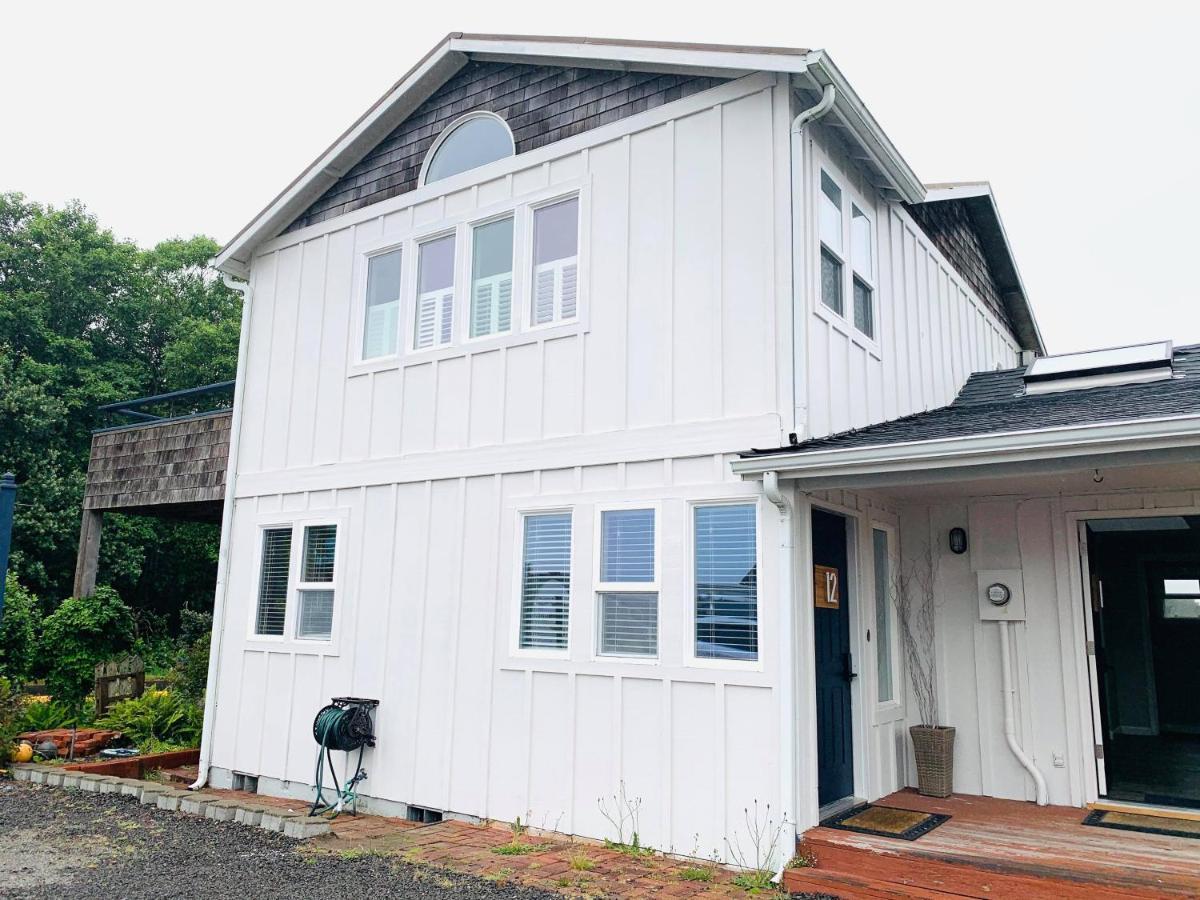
{"x": 173, "y": 119}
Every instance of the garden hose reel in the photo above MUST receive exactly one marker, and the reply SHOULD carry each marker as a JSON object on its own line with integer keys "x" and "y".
{"x": 345, "y": 724}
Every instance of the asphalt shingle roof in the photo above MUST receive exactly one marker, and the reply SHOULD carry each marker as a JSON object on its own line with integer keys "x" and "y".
{"x": 996, "y": 403}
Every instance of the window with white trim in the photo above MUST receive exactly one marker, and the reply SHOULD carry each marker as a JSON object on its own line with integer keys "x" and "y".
{"x": 472, "y": 141}
{"x": 434, "y": 325}
{"x": 555, "y": 281}
{"x": 315, "y": 593}
{"x": 274, "y": 570}
{"x": 883, "y": 615}
{"x": 725, "y": 573}
{"x": 847, "y": 256}
{"x": 545, "y": 582}
{"x": 627, "y": 589}
{"x": 381, "y": 321}
{"x": 491, "y": 277}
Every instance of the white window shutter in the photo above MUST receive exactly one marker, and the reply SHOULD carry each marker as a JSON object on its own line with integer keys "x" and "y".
{"x": 543, "y": 298}
{"x": 446, "y": 329}
{"x": 380, "y": 338}
{"x": 567, "y": 293}
{"x": 426, "y": 321}
{"x": 504, "y": 304}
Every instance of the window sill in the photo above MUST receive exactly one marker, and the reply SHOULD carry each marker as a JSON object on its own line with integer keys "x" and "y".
{"x": 259, "y": 644}
{"x": 888, "y": 711}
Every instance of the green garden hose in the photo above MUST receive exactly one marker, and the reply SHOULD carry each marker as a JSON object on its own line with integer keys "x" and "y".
{"x": 344, "y": 725}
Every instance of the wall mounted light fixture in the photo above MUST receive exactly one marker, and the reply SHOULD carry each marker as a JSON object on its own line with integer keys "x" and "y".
{"x": 958, "y": 540}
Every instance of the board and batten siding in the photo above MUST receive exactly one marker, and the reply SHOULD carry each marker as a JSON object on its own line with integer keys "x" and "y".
{"x": 932, "y": 329}
{"x": 1036, "y": 535}
{"x": 427, "y": 462}
{"x": 425, "y": 622}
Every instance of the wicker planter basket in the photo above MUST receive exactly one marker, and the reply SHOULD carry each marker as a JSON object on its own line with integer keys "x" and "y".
{"x": 934, "y": 750}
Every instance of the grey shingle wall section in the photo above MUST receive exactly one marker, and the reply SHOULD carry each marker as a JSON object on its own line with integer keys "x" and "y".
{"x": 181, "y": 462}
{"x": 996, "y": 403}
{"x": 541, "y": 104}
{"x": 948, "y": 225}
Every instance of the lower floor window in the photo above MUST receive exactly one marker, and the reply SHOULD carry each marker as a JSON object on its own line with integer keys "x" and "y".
{"x": 302, "y": 569}
{"x": 726, "y": 581}
{"x": 629, "y": 624}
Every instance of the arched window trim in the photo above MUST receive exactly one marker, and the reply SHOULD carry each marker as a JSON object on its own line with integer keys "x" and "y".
{"x": 454, "y": 126}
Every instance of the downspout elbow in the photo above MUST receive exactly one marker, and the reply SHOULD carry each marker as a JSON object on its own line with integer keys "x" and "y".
{"x": 814, "y": 112}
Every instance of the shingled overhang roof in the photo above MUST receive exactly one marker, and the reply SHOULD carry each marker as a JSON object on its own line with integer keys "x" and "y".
{"x": 993, "y": 417}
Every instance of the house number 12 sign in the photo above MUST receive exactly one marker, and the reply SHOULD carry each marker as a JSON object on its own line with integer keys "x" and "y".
{"x": 825, "y": 587}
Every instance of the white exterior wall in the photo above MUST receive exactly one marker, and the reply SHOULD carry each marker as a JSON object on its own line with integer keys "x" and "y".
{"x": 1038, "y": 536}
{"x": 678, "y": 358}
{"x": 932, "y": 330}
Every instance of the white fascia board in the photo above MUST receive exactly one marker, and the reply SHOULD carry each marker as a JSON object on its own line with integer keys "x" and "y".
{"x": 982, "y": 450}
{"x": 854, "y": 113}
{"x": 957, "y": 191}
{"x": 341, "y": 156}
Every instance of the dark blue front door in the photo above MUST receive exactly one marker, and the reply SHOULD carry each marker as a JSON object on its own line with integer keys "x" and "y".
{"x": 831, "y": 626}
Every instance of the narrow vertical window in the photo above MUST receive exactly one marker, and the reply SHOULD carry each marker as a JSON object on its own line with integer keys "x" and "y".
{"x": 492, "y": 278}
{"x": 435, "y": 293}
{"x": 726, "y": 582}
{"x": 830, "y": 227}
{"x": 381, "y": 324}
{"x": 883, "y": 615}
{"x": 863, "y": 265}
{"x": 628, "y": 590}
{"x": 546, "y": 582}
{"x": 555, "y": 262}
{"x": 275, "y": 565}
{"x": 315, "y": 591}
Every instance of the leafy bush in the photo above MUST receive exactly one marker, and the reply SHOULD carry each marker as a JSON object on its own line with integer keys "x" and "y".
{"x": 44, "y": 715}
{"x": 18, "y": 632}
{"x": 80, "y": 634}
{"x": 190, "y": 675}
{"x": 157, "y": 720}
{"x": 10, "y": 711}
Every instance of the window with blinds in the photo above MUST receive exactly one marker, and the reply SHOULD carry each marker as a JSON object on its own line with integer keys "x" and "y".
{"x": 726, "y": 581}
{"x": 555, "y": 262}
{"x": 435, "y": 293}
{"x": 627, "y": 595}
{"x": 492, "y": 278}
{"x": 314, "y": 620}
{"x": 381, "y": 322}
{"x": 273, "y": 581}
{"x": 545, "y": 582}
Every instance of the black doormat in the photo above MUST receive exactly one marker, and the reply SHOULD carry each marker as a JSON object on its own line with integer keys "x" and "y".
{"x": 886, "y": 821}
{"x": 1124, "y": 821}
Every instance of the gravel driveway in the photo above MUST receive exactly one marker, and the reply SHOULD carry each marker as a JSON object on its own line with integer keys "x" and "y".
{"x": 83, "y": 845}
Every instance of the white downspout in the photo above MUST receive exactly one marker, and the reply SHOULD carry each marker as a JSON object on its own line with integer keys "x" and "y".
{"x": 787, "y": 667}
{"x": 222, "y": 591}
{"x": 1010, "y": 725}
{"x": 799, "y": 255}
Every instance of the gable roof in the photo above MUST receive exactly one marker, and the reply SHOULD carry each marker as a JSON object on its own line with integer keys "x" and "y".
{"x": 815, "y": 68}
{"x": 996, "y": 403}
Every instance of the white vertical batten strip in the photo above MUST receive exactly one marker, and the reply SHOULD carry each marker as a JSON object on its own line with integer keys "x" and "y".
{"x": 220, "y": 595}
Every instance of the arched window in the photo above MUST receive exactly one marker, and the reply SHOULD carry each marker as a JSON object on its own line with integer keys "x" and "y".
{"x": 470, "y": 142}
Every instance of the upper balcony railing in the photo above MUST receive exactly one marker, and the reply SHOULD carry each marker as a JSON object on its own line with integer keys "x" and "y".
{"x": 170, "y": 407}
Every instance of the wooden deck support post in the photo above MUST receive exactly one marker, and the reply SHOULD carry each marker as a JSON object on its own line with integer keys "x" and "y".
{"x": 89, "y": 553}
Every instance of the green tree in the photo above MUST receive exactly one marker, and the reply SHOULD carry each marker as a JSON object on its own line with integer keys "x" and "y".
{"x": 80, "y": 634}
{"x": 19, "y": 630}
{"x": 87, "y": 319}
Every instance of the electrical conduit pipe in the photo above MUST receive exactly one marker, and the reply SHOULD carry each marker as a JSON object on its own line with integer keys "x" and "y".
{"x": 221, "y": 593}
{"x": 1010, "y": 725}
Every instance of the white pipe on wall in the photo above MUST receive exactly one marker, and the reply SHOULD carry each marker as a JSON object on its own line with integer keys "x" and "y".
{"x": 222, "y": 590}
{"x": 1010, "y": 723}
{"x": 787, "y": 665}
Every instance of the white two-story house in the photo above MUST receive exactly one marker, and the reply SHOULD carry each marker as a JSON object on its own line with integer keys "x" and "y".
{"x": 508, "y": 344}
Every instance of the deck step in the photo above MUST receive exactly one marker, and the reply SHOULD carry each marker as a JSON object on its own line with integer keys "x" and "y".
{"x": 850, "y": 885}
{"x": 943, "y": 874}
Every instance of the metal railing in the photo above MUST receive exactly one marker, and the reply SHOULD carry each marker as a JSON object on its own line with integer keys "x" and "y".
{"x": 170, "y": 407}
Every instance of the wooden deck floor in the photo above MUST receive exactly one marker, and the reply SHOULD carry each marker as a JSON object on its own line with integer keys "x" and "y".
{"x": 999, "y": 848}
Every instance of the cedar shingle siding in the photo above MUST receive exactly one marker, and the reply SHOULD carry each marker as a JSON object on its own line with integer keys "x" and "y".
{"x": 541, "y": 104}
{"x": 180, "y": 462}
{"x": 948, "y": 225}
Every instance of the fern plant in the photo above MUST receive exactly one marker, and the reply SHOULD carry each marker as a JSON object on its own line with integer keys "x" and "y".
{"x": 156, "y": 720}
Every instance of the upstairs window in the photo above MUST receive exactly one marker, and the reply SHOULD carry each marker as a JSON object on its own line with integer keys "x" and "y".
{"x": 546, "y": 582}
{"x": 862, "y": 264}
{"x": 555, "y": 262}
{"x": 474, "y": 140}
{"x": 274, "y": 567}
{"x": 831, "y": 244}
{"x": 435, "y": 293}
{"x": 726, "y": 581}
{"x": 627, "y": 593}
{"x": 492, "y": 278}
{"x": 846, "y": 256}
{"x": 381, "y": 324}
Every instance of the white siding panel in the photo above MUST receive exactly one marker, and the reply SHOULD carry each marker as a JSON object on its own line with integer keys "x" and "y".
{"x": 549, "y": 761}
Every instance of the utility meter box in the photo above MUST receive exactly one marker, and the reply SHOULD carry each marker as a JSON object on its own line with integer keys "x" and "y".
{"x": 1001, "y": 595}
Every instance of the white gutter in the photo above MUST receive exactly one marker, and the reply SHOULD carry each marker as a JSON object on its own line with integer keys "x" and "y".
{"x": 1010, "y": 726}
{"x": 222, "y": 590}
{"x": 980, "y": 450}
{"x": 787, "y": 664}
